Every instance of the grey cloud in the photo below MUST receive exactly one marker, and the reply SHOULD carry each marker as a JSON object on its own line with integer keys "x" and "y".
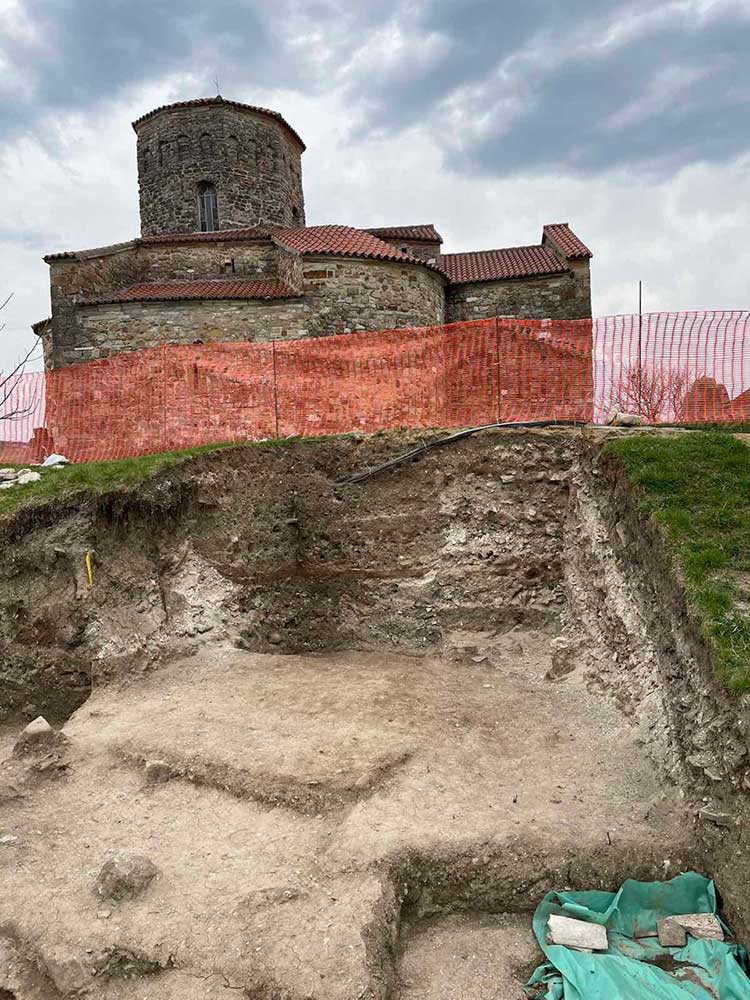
{"x": 581, "y": 105}
{"x": 585, "y": 106}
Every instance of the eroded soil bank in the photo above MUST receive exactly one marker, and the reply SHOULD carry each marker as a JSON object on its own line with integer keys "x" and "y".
{"x": 357, "y": 729}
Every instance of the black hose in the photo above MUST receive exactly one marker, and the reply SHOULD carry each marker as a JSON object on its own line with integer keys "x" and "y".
{"x": 360, "y": 477}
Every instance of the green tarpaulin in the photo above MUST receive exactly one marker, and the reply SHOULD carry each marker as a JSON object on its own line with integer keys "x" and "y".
{"x": 635, "y": 965}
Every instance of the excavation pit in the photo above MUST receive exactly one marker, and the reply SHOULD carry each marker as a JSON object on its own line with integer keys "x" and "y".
{"x": 356, "y": 729}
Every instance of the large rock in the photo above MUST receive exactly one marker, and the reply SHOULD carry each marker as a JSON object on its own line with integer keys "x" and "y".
{"x": 125, "y": 876}
{"x": 37, "y": 737}
{"x": 577, "y": 934}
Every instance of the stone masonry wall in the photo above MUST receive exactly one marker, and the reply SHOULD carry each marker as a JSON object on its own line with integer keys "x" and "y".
{"x": 253, "y": 162}
{"x": 559, "y": 296}
{"x": 339, "y": 295}
{"x": 98, "y": 275}
{"x": 169, "y": 262}
{"x": 345, "y": 295}
{"x": 129, "y": 326}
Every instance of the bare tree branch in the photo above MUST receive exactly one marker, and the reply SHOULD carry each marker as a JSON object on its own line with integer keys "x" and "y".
{"x": 653, "y": 392}
{"x": 10, "y": 382}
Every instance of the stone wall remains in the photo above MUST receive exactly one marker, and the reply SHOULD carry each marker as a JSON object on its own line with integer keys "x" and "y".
{"x": 252, "y": 160}
{"x": 558, "y": 296}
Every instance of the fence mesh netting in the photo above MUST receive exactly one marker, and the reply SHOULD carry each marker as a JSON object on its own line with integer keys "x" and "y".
{"x": 668, "y": 367}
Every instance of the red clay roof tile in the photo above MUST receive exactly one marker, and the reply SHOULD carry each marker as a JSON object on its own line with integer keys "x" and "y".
{"x": 338, "y": 241}
{"x": 175, "y": 291}
{"x": 561, "y": 234}
{"x": 341, "y": 241}
{"x": 201, "y": 102}
{"x": 427, "y": 233}
{"x": 499, "y": 265}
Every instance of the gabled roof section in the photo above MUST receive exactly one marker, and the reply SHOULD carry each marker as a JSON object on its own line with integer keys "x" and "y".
{"x": 341, "y": 241}
{"x": 426, "y": 233}
{"x": 176, "y": 291}
{"x": 563, "y": 236}
{"x": 499, "y": 265}
{"x": 218, "y": 101}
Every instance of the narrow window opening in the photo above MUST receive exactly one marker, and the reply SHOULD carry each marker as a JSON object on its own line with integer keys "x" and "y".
{"x": 208, "y": 208}
{"x": 295, "y": 214}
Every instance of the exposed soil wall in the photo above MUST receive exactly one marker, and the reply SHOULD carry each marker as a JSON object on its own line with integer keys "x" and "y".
{"x": 259, "y": 546}
{"x": 625, "y": 592}
{"x": 625, "y": 587}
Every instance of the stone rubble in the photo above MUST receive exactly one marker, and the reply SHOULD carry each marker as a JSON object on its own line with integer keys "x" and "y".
{"x": 19, "y": 477}
{"x": 673, "y": 931}
{"x": 125, "y": 876}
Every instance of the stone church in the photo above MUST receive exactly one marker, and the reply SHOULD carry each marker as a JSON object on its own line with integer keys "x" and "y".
{"x": 225, "y": 254}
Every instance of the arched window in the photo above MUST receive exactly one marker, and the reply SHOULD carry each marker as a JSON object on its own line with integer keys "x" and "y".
{"x": 183, "y": 148}
{"x": 295, "y": 215}
{"x": 165, "y": 153}
{"x": 208, "y": 208}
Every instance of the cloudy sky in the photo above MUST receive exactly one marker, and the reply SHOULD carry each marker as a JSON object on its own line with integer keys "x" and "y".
{"x": 628, "y": 119}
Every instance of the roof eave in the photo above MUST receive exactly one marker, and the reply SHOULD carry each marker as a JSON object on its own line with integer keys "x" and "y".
{"x": 218, "y": 101}
{"x": 515, "y": 277}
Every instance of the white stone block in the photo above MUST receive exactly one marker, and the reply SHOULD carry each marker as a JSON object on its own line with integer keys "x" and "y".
{"x": 577, "y": 934}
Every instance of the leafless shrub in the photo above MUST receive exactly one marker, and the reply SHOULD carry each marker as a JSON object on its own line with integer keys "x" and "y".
{"x": 655, "y": 392}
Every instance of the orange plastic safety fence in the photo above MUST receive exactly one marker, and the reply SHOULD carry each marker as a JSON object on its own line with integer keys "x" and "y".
{"x": 675, "y": 367}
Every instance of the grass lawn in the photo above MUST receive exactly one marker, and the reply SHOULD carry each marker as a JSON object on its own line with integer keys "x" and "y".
{"x": 92, "y": 477}
{"x": 698, "y": 487}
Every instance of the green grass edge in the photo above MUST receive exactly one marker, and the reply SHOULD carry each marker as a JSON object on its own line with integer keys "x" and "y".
{"x": 697, "y": 487}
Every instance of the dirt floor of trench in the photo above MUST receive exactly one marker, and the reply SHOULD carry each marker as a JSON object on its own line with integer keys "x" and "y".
{"x": 327, "y": 718}
{"x": 292, "y": 795}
